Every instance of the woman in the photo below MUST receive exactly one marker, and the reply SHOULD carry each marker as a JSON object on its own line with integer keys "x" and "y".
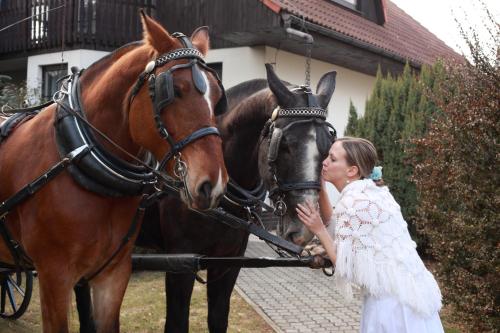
{"x": 368, "y": 240}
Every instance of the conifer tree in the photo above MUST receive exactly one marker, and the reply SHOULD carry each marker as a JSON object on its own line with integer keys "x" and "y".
{"x": 352, "y": 121}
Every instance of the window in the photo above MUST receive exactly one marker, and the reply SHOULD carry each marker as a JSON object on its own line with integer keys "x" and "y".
{"x": 216, "y": 66}
{"x": 50, "y": 75}
{"x": 87, "y": 16}
{"x": 39, "y": 20}
{"x": 352, "y": 4}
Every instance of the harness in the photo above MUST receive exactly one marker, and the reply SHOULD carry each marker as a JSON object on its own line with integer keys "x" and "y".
{"x": 316, "y": 114}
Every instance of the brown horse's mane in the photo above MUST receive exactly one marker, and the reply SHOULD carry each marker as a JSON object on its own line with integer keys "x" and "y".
{"x": 100, "y": 65}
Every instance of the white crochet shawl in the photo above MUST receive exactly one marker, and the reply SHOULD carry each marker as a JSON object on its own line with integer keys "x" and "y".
{"x": 375, "y": 251}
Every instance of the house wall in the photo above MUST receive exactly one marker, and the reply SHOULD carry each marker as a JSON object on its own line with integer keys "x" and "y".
{"x": 246, "y": 63}
{"x": 79, "y": 58}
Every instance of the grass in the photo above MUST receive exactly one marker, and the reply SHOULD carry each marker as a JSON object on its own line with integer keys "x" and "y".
{"x": 143, "y": 310}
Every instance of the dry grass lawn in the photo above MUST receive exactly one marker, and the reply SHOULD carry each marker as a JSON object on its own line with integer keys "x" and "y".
{"x": 143, "y": 310}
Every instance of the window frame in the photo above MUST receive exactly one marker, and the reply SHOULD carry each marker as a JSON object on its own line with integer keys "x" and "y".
{"x": 46, "y": 91}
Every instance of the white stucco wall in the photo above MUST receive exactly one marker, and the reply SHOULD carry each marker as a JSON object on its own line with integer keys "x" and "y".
{"x": 245, "y": 63}
{"x": 79, "y": 58}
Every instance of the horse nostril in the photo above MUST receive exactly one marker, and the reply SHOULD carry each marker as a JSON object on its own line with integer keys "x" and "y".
{"x": 206, "y": 189}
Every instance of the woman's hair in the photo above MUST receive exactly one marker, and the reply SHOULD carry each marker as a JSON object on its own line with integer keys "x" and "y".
{"x": 361, "y": 153}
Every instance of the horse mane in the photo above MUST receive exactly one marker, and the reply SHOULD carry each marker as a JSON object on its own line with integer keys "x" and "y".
{"x": 101, "y": 64}
{"x": 247, "y": 103}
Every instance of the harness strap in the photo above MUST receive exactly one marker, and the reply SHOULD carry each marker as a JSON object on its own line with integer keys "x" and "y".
{"x": 26, "y": 110}
{"x": 242, "y": 198}
{"x": 286, "y": 187}
{"x": 177, "y": 147}
{"x": 139, "y": 213}
{"x": 19, "y": 255}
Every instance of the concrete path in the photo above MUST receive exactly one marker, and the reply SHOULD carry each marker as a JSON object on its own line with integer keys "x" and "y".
{"x": 296, "y": 299}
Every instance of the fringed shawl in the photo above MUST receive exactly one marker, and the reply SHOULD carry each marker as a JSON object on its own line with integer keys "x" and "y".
{"x": 375, "y": 250}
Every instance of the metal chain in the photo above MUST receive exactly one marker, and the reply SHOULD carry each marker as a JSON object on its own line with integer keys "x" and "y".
{"x": 308, "y": 64}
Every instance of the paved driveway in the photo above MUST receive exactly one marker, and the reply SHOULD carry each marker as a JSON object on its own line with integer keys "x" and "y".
{"x": 296, "y": 299}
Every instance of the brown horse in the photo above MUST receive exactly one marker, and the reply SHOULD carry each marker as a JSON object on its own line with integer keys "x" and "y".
{"x": 68, "y": 230}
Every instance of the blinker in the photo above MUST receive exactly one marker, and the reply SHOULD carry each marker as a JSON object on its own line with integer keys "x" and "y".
{"x": 198, "y": 79}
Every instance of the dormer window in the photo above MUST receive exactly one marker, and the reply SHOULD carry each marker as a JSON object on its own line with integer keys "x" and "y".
{"x": 372, "y": 10}
{"x": 352, "y": 4}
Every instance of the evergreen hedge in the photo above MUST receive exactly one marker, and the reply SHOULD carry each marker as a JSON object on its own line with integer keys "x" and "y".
{"x": 396, "y": 112}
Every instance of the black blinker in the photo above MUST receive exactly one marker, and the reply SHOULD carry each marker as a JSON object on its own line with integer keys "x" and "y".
{"x": 198, "y": 79}
{"x": 164, "y": 91}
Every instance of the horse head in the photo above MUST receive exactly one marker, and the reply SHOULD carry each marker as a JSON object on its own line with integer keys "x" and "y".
{"x": 172, "y": 112}
{"x": 295, "y": 142}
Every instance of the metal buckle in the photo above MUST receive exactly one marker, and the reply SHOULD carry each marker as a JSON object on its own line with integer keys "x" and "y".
{"x": 280, "y": 207}
{"x": 180, "y": 167}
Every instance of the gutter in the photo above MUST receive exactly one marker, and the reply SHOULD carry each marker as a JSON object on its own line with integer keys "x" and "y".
{"x": 289, "y": 20}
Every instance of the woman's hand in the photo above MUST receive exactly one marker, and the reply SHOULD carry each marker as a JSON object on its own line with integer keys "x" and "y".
{"x": 309, "y": 215}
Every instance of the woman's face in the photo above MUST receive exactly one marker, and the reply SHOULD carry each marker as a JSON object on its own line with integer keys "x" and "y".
{"x": 335, "y": 167}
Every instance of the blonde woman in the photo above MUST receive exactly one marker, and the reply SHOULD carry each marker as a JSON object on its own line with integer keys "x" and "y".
{"x": 368, "y": 240}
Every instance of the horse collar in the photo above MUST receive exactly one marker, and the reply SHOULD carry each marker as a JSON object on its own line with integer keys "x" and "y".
{"x": 96, "y": 170}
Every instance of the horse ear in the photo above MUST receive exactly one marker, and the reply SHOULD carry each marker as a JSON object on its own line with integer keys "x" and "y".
{"x": 155, "y": 35}
{"x": 201, "y": 39}
{"x": 325, "y": 88}
{"x": 284, "y": 96}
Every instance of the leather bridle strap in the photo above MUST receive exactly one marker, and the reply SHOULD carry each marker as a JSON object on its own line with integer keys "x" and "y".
{"x": 177, "y": 147}
{"x": 286, "y": 187}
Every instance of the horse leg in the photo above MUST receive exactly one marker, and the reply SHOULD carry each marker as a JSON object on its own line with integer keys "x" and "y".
{"x": 220, "y": 284}
{"x": 55, "y": 299}
{"x": 108, "y": 290}
{"x": 84, "y": 307}
{"x": 179, "y": 288}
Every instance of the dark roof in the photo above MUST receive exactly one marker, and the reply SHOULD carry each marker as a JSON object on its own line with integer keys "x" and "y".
{"x": 400, "y": 35}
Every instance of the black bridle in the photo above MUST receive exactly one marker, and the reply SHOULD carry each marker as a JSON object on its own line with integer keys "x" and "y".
{"x": 161, "y": 91}
{"x": 314, "y": 114}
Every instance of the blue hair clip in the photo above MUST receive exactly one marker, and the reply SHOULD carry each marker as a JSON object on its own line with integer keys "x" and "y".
{"x": 376, "y": 173}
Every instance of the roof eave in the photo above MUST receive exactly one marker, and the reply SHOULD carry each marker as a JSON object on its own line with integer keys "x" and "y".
{"x": 292, "y": 20}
